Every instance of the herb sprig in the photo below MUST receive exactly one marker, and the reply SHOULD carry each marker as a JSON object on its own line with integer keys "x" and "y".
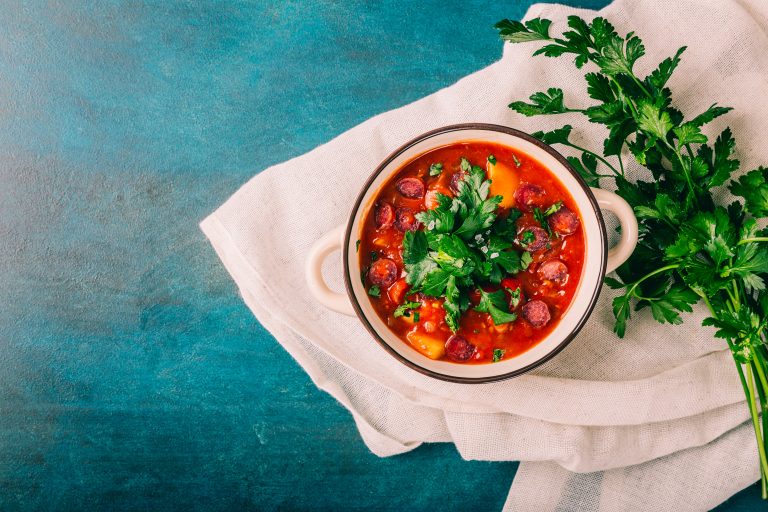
{"x": 464, "y": 246}
{"x": 691, "y": 249}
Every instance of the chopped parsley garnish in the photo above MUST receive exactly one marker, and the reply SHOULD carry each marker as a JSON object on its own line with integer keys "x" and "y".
{"x": 517, "y": 161}
{"x": 498, "y": 354}
{"x": 374, "y": 291}
{"x": 435, "y": 169}
{"x": 357, "y": 246}
{"x": 374, "y": 256}
{"x": 527, "y": 238}
{"x": 496, "y": 305}
{"x": 464, "y": 246}
{"x": 554, "y": 208}
{"x": 541, "y": 216}
{"x": 515, "y": 298}
{"x": 492, "y": 159}
{"x": 405, "y": 309}
{"x": 416, "y": 316}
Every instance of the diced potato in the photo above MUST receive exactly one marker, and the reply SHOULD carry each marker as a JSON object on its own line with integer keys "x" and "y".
{"x": 504, "y": 182}
{"x": 431, "y": 346}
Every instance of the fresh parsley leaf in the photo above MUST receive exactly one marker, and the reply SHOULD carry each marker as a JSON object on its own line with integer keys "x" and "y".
{"x": 374, "y": 255}
{"x": 498, "y": 354}
{"x": 516, "y": 32}
{"x": 723, "y": 165}
{"x": 414, "y": 247}
{"x": 357, "y": 246}
{"x": 538, "y": 215}
{"x": 374, "y": 291}
{"x": 527, "y": 238}
{"x": 553, "y": 208}
{"x": 586, "y": 167}
{"x": 689, "y": 133}
{"x": 496, "y": 305}
{"x": 435, "y": 169}
{"x": 405, "y": 308}
{"x": 559, "y": 136}
{"x": 599, "y": 87}
{"x": 451, "y": 304}
{"x": 515, "y": 296}
{"x": 415, "y": 258}
{"x": 709, "y": 115}
{"x": 619, "y": 55}
{"x": 549, "y": 102}
{"x": 492, "y": 159}
{"x": 753, "y": 187}
{"x": 435, "y": 283}
{"x": 479, "y": 218}
{"x": 659, "y": 77}
{"x": 525, "y": 260}
{"x": 439, "y": 219}
{"x": 653, "y": 120}
{"x": 506, "y": 227}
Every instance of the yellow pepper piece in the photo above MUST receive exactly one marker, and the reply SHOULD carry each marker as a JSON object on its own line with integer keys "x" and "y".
{"x": 431, "y": 346}
{"x": 504, "y": 182}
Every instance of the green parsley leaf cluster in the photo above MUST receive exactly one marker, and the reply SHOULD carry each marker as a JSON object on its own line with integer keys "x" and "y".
{"x": 691, "y": 248}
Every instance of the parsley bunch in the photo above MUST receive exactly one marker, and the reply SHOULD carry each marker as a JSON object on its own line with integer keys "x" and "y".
{"x": 464, "y": 246}
{"x": 691, "y": 249}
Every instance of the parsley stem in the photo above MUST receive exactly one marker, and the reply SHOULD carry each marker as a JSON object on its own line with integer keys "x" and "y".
{"x": 649, "y": 275}
{"x": 755, "y": 420}
{"x": 600, "y": 158}
{"x": 755, "y": 239}
{"x": 760, "y": 372}
{"x": 684, "y": 169}
{"x": 757, "y": 364}
{"x": 640, "y": 84}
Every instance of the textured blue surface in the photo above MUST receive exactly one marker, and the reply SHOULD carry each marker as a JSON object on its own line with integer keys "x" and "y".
{"x": 132, "y": 377}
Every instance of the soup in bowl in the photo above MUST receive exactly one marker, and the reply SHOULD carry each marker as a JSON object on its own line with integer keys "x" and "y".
{"x": 473, "y": 253}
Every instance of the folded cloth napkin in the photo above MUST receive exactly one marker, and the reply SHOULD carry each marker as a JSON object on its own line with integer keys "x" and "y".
{"x": 654, "y": 421}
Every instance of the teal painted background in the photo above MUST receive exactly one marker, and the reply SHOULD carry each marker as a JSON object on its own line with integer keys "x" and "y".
{"x": 132, "y": 377}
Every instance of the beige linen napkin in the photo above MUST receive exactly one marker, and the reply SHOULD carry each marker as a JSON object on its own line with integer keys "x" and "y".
{"x": 653, "y": 421}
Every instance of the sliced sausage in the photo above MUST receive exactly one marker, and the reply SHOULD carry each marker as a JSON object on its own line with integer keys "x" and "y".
{"x": 383, "y": 272}
{"x": 457, "y": 348}
{"x": 533, "y": 239}
{"x": 537, "y": 313}
{"x": 383, "y": 215}
{"x": 554, "y": 270}
{"x": 528, "y": 196}
{"x": 411, "y": 187}
{"x": 563, "y": 221}
{"x": 455, "y": 180}
{"x": 405, "y": 220}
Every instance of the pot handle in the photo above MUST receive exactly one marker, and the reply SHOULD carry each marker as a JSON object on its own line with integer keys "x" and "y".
{"x": 327, "y": 244}
{"x": 619, "y": 207}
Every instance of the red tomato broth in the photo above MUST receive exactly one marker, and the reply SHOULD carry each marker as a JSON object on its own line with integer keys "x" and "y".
{"x": 515, "y": 337}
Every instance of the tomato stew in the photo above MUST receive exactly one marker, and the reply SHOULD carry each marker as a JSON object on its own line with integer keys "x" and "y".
{"x": 500, "y": 314}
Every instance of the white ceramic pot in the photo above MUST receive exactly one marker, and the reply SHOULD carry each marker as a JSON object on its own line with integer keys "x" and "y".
{"x": 599, "y": 259}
